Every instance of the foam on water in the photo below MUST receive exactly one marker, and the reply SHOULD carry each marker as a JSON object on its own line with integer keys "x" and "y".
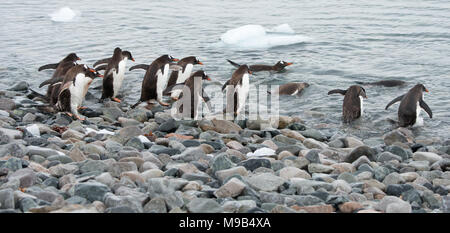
{"x": 257, "y": 36}
{"x": 64, "y": 14}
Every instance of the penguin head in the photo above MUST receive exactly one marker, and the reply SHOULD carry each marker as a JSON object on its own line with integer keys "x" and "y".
{"x": 282, "y": 64}
{"x": 91, "y": 73}
{"x": 201, "y": 73}
{"x": 421, "y": 87}
{"x": 173, "y": 59}
{"x": 245, "y": 68}
{"x": 197, "y": 62}
{"x": 362, "y": 92}
{"x": 117, "y": 50}
{"x": 167, "y": 59}
{"x": 128, "y": 55}
{"x": 72, "y": 57}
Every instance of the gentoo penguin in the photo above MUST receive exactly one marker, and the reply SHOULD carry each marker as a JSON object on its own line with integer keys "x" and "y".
{"x": 291, "y": 89}
{"x": 155, "y": 79}
{"x": 411, "y": 105}
{"x": 61, "y": 69}
{"x": 386, "y": 83}
{"x": 177, "y": 77}
{"x": 279, "y": 66}
{"x": 353, "y": 102}
{"x": 114, "y": 73}
{"x": 74, "y": 88}
{"x": 237, "y": 89}
{"x": 191, "y": 94}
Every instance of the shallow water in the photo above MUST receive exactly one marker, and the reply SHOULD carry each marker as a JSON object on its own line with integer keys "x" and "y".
{"x": 350, "y": 41}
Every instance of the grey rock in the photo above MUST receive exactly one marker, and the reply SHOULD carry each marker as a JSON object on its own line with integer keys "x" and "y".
{"x": 319, "y": 168}
{"x": 112, "y": 113}
{"x": 220, "y": 162}
{"x": 7, "y": 199}
{"x": 398, "y": 151}
{"x": 92, "y": 191}
{"x": 45, "y": 152}
{"x": 13, "y": 164}
{"x": 7, "y": 104}
{"x": 61, "y": 158}
{"x": 118, "y": 167}
{"x": 26, "y": 176}
{"x": 158, "y": 149}
{"x": 135, "y": 142}
{"x": 265, "y": 182}
{"x": 93, "y": 165}
{"x": 361, "y": 151}
{"x": 315, "y": 134}
{"x": 25, "y": 204}
{"x": 313, "y": 156}
{"x": 255, "y": 163}
{"x": 204, "y": 205}
{"x": 77, "y": 200}
{"x": 307, "y": 200}
{"x": 388, "y": 156}
{"x": 411, "y": 196}
{"x": 395, "y": 136}
{"x": 431, "y": 200}
{"x": 426, "y": 156}
{"x": 348, "y": 177}
{"x": 156, "y": 205}
{"x": 20, "y": 86}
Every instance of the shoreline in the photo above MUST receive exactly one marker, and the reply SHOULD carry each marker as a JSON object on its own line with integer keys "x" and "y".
{"x": 125, "y": 162}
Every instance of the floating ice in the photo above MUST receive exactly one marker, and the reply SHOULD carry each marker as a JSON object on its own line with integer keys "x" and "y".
{"x": 262, "y": 152}
{"x": 64, "y": 14}
{"x": 34, "y": 130}
{"x": 256, "y": 36}
{"x": 103, "y": 131}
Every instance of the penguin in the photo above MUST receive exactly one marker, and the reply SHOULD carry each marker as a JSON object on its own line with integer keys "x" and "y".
{"x": 155, "y": 79}
{"x": 353, "y": 107}
{"x": 114, "y": 73}
{"x": 61, "y": 69}
{"x": 291, "y": 89}
{"x": 237, "y": 89}
{"x": 193, "y": 97}
{"x": 385, "y": 83}
{"x": 411, "y": 104}
{"x": 74, "y": 88}
{"x": 177, "y": 77}
{"x": 279, "y": 66}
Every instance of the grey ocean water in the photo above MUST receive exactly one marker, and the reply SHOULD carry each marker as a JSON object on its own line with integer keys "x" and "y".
{"x": 350, "y": 41}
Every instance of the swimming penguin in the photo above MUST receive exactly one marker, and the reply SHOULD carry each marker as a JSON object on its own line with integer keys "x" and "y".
{"x": 61, "y": 69}
{"x": 192, "y": 97}
{"x": 291, "y": 89}
{"x": 353, "y": 102}
{"x": 386, "y": 83}
{"x": 114, "y": 73}
{"x": 155, "y": 79}
{"x": 411, "y": 105}
{"x": 237, "y": 89}
{"x": 180, "y": 76}
{"x": 279, "y": 66}
{"x": 74, "y": 88}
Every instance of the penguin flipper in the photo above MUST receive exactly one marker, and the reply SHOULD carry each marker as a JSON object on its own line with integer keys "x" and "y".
{"x": 48, "y": 66}
{"x": 225, "y": 85}
{"x": 136, "y": 104}
{"x": 233, "y": 63}
{"x": 102, "y": 61}
{"x": 37, "y": 94}
{"x": 175, "y": 67}
{"x": 140, "y": 66}
{"x": 425, "y": 107}
{"x": 337, "y": 91}
{"x": 394, "y": 101}
{"x": 102, "y": 67}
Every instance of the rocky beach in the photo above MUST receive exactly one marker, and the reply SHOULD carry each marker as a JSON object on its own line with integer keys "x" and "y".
{"x": 122, "y": 160}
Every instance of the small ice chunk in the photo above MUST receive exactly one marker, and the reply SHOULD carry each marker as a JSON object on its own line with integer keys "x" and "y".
{"x": 102, "y": 131}
{"x": 282, "y": 28}
{"x": 64, "y": 14}
{"x": 34, "y": 130}
{"x": 262, "y": 152}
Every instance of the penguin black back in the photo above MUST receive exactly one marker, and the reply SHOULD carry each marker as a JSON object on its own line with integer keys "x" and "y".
{"x": 352, "y": 107}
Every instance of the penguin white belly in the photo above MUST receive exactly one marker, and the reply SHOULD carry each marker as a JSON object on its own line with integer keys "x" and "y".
{"x": 161, "y": 81}
{"x": 295, "y": 92}
{"x": 78, "y": 90}
{"x": 243, "y": 93}
{"x": 182, "y": 76}
{"x": 361, "y": 101}
{"x": 196, "y": 105}
{"x": 419, "y": 119}
{"x": 119, "y": 76}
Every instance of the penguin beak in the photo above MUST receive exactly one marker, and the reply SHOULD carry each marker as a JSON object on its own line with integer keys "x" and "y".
{"x": 78, "y": 59}
{"x": 208, "y": 78}
{"x": 175, "y": 59}
{"x": 426, "y": 90}
{"x": 132, "y": 59}
{"x": 100, "y": 75}
{"x": 289, "y": 63}
{"x": 250, "y": 72}
{"x": 200, "y": 63}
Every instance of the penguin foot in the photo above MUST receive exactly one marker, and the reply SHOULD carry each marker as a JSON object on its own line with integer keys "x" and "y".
{"x": 175, "y": 98}
{"x": 82, "y": 107}
{"x": 69, "y": 114}
{"x": 116, "y": 100}
{"x": 80, "y": 118}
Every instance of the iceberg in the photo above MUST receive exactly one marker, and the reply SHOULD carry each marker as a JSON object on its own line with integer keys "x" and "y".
{"x": 257, "y": 36}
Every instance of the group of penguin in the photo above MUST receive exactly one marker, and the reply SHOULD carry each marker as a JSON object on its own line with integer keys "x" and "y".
{"x": 69, "y": 84}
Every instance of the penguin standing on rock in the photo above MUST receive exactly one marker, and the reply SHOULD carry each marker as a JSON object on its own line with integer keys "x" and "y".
{"x": 237, "y": 89}
{"x": 176, "y": 77}
{"x": 353, "y": 107}
{"x": 155, "y": 79}
{"x": 114, "y": 73}
{"x": 61, "y": 69}
{"x": 191, "y": 94}
{"x": 74, "y": 88}
{"x": 279, "y": 66}
{"x": 411, "y": 104}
